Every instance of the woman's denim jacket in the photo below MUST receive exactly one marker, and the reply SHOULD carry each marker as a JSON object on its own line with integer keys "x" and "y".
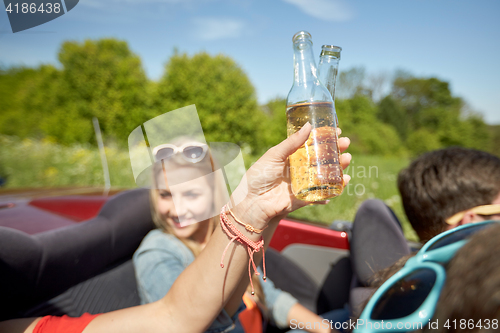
{"x": 161, "y": 258}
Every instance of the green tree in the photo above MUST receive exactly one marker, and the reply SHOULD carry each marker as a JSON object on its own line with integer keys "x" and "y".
{"x": 275, "y": 132}
{"x": 13, "y": 83}
{"x": 48, "y": 112}
{"x": 479, "y": 135}
{"x": 350, "y": 83}
{"x": 494, "y": 131}
{"x": 102, "y": 79}
{"x": 415, "y": 94}
{"x": 224, "y": 97}
{"x": 422, "y": 140}
{"x": 358, "y": 120}
{"x": 391, "y": 113}
{"x": 429, "y": 104}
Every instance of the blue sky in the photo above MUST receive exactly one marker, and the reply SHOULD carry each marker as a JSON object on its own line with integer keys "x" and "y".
{"x": 457, "y": 41}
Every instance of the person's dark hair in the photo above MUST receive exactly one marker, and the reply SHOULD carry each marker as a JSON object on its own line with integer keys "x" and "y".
{"x": 377, "y": 280}
{"x": 472, "y": 288}
{"x": 444, "y": 182}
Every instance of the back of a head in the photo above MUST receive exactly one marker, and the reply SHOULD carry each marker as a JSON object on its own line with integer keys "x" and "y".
{"x": 472, "y": 288}
{"x": 444, "y": 182}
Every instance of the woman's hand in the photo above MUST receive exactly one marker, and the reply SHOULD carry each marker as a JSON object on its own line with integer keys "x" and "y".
{"x": 265, "y": 190}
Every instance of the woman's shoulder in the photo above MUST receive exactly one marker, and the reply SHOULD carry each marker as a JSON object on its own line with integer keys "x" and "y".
{"x": 158, "y": 240}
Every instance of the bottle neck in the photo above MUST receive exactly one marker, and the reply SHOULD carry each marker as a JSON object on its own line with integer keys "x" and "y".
{"x": 305, "y": 72}
{"x": 328, "y": 71}
{"x": 328, "y": 68}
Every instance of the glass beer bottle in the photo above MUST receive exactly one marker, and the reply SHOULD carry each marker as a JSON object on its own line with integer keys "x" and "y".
{"x": 315, "y": 169}
{"x": 328, "y": 69}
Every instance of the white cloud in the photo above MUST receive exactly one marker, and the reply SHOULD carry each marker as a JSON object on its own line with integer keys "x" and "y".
{"x": 328, "y": 10}
{"x": 211, "y": 28}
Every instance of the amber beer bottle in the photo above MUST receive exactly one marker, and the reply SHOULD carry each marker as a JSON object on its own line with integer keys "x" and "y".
{"x": 315, "y": 169}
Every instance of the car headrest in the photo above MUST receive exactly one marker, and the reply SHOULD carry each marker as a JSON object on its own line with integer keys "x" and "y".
{"x": 377, "y": 240}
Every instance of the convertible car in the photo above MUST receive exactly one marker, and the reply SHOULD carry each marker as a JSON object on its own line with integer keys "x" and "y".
{"x": 69, "y": 252}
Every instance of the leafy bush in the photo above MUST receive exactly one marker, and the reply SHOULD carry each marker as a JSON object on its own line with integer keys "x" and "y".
{"x": 34, "y": 163}
{"x": 358, "y": 120}
{"x": 421, "y": 141}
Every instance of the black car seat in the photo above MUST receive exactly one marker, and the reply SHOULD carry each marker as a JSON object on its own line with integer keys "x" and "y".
{"x": 287, "y": 276}
{"x": 377, "y": 242}
{"x": 85, "y": 267}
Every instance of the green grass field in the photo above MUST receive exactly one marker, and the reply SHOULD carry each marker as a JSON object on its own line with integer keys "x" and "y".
{"x": 371, "y": 177}
{"x": 32, "y": 163}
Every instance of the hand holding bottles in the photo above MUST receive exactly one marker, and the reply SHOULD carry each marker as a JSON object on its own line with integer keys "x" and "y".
{"x": 265, "y": 192}
{"x": 315, "y": 170}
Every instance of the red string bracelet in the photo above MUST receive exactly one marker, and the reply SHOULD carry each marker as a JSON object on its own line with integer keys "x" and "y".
{"x": 248, "y": 227}
{"x": 252, "y": 247}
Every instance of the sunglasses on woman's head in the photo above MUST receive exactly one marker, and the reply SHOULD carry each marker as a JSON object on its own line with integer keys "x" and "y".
{"x": 407, "y": 301}
{"x": 191, "y": 152}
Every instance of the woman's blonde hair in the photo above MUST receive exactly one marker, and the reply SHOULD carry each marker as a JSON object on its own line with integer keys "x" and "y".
{"x": 207, "y": 165}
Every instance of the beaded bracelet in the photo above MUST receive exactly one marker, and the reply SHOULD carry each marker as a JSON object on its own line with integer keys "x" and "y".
{"x": 252, "y": 247}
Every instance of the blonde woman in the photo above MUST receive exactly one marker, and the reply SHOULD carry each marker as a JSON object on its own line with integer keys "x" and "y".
{"x": 203, "y": 289}
{"x": 185, "y": 201}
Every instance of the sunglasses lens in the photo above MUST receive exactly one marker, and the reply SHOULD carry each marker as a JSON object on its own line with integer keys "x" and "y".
{"x": 164, "y": 153}
{"x": 193, "y": 152}
{"x": 406, "y": 296}
{"x": 458, "y": 235}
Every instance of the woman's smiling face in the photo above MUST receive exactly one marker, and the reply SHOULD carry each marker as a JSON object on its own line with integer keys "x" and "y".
{"x": 183, "y": 206}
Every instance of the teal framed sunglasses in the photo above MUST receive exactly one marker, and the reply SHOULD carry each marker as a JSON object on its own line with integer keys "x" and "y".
{"x": 408, "y": 299}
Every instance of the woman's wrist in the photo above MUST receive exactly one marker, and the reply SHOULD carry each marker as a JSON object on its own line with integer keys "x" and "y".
{"x": 245, "y": 207}
{"x": 248, "y": 227}
{"x": 248, "y": 212}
